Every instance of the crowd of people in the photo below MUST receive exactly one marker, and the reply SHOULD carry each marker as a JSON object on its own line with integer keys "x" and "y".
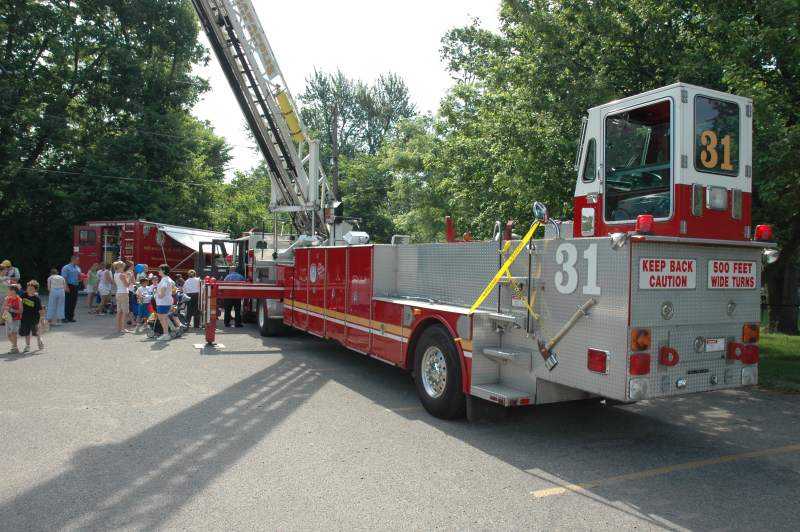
{"x": 128, "y": 291}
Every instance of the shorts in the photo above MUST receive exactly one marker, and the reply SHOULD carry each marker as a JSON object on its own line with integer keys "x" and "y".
{"x": 103, "y": 291}
{"x": 163, "y": 309}
{"x": 12, "y": 326}
{"x": 142, "y": 308}
{"x": 123, "y": 302}
{"x": 26, "y": 328}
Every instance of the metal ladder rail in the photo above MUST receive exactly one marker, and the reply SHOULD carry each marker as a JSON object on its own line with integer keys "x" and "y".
{"x": 312, "y": 183}
{"x": 260, "y": 49}
{"x": 263, "y": 133}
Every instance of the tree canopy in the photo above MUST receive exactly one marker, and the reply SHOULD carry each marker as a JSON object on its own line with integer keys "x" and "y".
{"x": 96, "y": 98}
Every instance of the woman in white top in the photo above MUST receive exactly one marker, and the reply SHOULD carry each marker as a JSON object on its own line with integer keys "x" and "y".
{"x": 163, "y": 295}
{"x": 121, "y": 282}
{"x": 56, "y": 286}
{"x": 105, "y": 284}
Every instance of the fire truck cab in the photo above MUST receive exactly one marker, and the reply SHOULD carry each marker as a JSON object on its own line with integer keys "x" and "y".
{"x": 681, "y": 154}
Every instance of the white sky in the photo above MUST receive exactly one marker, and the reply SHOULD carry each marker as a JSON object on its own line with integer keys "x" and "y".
{"x": 362, "y": 38}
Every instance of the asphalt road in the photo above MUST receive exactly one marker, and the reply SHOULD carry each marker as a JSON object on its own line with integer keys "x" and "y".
{"x": 103, "y": 432}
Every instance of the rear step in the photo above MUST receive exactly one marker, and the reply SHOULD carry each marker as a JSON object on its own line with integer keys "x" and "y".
{"x": 503, "y": 395}
{"x": 504, "y": 355}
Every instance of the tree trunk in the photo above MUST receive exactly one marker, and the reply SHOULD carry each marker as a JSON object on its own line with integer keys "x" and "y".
{"x": 782, "y": 294}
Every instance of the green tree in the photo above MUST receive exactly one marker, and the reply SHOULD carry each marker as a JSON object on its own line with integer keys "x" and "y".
{"x": 95, "y": 121}
{"x": 351, "y": 117}
{"x": 510, "y": 125}
{"x": 243, "y": 204}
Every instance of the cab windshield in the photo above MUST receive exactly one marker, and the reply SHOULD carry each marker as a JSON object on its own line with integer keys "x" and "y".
{"x": 638, "y": 163}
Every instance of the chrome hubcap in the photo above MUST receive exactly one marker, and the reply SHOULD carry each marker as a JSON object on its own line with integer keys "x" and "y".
{"x": 434, "y": 372}
{"x": 261, "y": 315}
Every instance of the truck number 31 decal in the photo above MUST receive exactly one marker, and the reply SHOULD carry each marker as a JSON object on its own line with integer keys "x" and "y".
{"x": 567, "y": 278}
{"x": 709, "y": 156}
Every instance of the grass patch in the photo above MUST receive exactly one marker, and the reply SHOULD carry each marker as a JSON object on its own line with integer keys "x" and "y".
{"x": 779, "y": 366}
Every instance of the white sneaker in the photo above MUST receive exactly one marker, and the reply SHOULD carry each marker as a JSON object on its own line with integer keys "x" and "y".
{"x": 164, "y": 338}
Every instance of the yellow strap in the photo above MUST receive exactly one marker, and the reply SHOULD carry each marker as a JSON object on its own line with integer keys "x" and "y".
{"x": 522, "y": 297}
{"x": 506, "y": 265}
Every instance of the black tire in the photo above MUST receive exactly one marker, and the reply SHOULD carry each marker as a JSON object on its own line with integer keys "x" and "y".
{"x": 444, "y": 400}
{"x": 250, "y": 316}
{"x": 268, "y": 326}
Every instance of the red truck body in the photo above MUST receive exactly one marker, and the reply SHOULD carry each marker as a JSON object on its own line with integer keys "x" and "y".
{"x": 141, "y": 241}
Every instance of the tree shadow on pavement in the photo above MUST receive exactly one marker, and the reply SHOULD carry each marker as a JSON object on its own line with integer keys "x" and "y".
{"x": 141, "y": 481}
{"x": 572, "y": 443}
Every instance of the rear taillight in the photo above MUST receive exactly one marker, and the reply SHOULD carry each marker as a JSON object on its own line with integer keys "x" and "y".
{"x": 750, "y": 333}
{"x": 764, "y": 233}
{"x": 640, "y": 340}
{"x": 733, "y": 351}
{"x": 750, "y": 354}
{"x": 668, "y": 356}
{"x": 597, "y": 361}
{"x": 644, "y": 224}
{"x": 639, "y": 364}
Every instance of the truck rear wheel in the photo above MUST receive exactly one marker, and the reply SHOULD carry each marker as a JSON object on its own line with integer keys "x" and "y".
{"x": 437, "y": 374}
{"x": 268, "y": 326}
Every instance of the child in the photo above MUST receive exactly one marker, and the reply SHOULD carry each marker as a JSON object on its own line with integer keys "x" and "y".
{"x": 13, "y": 306}
{"x": 31, "y": 314}
{"x": 143, "y": 296}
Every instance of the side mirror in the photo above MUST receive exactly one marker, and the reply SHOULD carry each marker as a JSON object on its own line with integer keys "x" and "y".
{"x": 540, "y": 211}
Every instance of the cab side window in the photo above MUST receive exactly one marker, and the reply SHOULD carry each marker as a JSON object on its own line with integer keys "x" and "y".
{"x": 590, "y": 164}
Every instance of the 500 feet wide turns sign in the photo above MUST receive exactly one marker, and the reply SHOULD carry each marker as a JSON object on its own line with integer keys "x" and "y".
{"x": 731, "y": 274}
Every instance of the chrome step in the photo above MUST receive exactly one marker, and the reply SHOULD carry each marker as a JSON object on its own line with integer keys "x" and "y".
{"x": 501, "y": 394}
{"x": 518, "y": 280}
{"x": 504, "y": 355}
{"x": 502, "y": 318}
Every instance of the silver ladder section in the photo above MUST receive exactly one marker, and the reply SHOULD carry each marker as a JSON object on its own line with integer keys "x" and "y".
{"x": 299, "y": 186}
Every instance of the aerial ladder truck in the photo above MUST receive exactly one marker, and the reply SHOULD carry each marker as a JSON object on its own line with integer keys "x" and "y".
{"x": 650, "y": 290}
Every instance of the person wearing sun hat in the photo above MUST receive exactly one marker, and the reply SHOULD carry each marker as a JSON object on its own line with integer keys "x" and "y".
{"x": 8, "y": 275}
{"x": 12, "y": 272}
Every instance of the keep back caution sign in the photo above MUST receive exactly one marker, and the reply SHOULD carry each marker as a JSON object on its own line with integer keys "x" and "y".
{"x": 731, "y": 274}
{"x": 667, "y": 274}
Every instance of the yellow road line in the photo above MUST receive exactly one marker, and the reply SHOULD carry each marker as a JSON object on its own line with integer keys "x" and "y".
{"x": 646, "y": 473}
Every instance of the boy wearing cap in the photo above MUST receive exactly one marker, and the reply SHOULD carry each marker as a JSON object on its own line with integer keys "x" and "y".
{"x": 31, "y": 315}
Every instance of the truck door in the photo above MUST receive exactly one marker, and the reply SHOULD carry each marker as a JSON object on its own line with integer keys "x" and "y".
{"x": 110, "y": 244}
{"x": 85, "y": 245}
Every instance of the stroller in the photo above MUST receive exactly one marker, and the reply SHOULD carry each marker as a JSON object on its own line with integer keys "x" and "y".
{"x": 177, "y": 313}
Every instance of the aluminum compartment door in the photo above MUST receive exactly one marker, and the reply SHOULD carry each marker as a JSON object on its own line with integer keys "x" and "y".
{"x": 286, "y": 279}
{"x": 300, "y": 315}
{"x": 359, "y": 298}
{"x": 335, "y": 292}
{"x": 387, "y": 324}
{"x": 316, "y": 291}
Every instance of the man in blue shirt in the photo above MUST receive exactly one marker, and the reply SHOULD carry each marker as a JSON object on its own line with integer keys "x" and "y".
{"x": 71, "y": 272}
{"x": 233, "y": 304}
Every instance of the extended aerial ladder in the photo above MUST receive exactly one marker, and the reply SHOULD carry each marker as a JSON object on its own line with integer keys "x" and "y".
{"x": 299, "y": 186}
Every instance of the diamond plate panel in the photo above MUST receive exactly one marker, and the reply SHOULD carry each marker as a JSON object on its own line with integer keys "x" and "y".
{"x": 449, "y": 273}
{"x": 699, "y": 313}
{"x": 385, "y": 270}
{"x": 605, "y": 326}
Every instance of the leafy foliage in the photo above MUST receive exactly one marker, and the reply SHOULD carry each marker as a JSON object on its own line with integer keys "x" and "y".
{"x": 96, "y": 123}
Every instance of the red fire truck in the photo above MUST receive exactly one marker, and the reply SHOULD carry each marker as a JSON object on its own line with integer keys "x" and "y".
{"x": 651, "y": 290}
{"x": 141, "y": 241}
